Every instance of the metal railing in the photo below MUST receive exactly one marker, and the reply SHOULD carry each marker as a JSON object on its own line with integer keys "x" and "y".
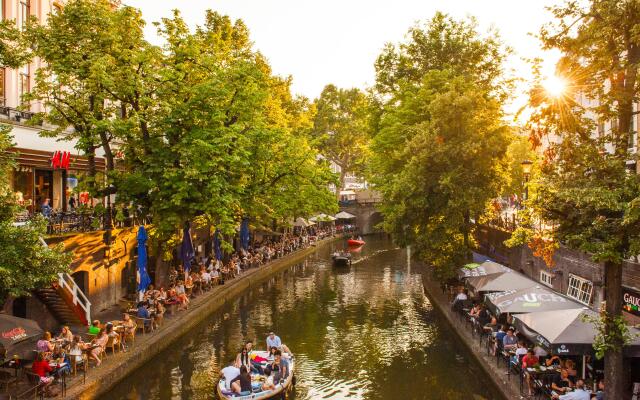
{"x": 66, "y": 282}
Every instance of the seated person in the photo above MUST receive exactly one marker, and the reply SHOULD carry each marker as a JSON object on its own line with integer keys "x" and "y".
{"x": 241, "y": 384}
{"x": 44, "y": 345}
{"x": 229, "y": 373}
{"x": 268, "y": 381}
{"x": 521, "y": 351}
{"x": 95, "y": 327}
{"x": 274, "y": 341}
{"x": 553, "y": 361}
{"x": 98, "y": 344}
{"x": 499, "y": 337}
{"x": 599, "y": 395}
{"x": 42, "y": 368}
{"x": 529, "y": 361}
{"x": 509, "y": 341}
{"x": 143, "y": 312}
{"x": 111, "y": 333}
{"x": 561, "y": 383}
{"x": 129, "y": 325}
{"x": 66, "y": 334}
{"x": 570, "y": 365}
{"x": 578, "y": 394}
{"x": 492, "y": 327}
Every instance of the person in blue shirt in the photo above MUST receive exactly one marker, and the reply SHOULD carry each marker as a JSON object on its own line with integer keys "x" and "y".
{"x": 273, "y": 340}
{"x": 144, "y": 313}
{"x": 46, "y": 209}
{"x": 499, "y": 337}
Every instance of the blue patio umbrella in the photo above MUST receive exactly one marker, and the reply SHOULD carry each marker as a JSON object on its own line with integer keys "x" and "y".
{"x": 244, "y": 233}
{"x": 187, "y": 253}
{"x": 142, "y": 238}
{"x": 216, "y": 245}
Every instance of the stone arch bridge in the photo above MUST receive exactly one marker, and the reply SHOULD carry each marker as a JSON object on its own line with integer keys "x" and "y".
{"x": 367, "y": 216}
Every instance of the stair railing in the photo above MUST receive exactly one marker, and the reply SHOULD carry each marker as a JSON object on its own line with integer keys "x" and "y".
{"x": 66, "y": 282}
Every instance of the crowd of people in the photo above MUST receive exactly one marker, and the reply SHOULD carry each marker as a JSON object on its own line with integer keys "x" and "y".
{"x": 539, "y": 370}
{"x": 255, "y": 371}
{"x": 69, "y": 352}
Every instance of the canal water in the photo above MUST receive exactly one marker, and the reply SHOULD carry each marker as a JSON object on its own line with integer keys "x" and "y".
{"x": 364, "y": 332}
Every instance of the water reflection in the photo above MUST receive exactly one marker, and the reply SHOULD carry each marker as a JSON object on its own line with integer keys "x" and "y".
{"x": 366, "y": 332}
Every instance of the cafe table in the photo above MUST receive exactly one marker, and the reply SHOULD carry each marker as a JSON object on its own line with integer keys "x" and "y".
{"x": 60, "y": 372}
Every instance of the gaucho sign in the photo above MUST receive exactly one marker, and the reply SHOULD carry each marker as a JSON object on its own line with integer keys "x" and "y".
{"x": 14, "y": 334}
{"x": 631, "y": 301}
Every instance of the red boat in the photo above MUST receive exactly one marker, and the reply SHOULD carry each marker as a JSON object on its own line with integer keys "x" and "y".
{"x": 355, "y": 242}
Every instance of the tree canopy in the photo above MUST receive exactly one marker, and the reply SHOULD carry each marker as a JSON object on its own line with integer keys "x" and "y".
{"x": 586, "y": 190}
{"x": 439, "y": 149}
{"x": 341, "y": 128}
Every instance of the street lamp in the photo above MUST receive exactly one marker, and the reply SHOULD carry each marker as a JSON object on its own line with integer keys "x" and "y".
{"x": 526, "y": 169}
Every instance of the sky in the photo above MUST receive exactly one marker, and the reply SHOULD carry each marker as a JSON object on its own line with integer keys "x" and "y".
{"x": 337, "y": 41}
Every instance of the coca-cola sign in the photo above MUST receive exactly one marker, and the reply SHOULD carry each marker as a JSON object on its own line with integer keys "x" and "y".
{"x": 15, "y": 334}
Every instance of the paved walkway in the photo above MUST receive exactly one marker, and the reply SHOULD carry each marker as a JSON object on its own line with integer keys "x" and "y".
{"x": 508, "y": 385}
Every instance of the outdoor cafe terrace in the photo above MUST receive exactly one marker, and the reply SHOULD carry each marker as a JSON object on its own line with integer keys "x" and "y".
{"x": 35, "y": 364}
{"x": 540, "y": 338}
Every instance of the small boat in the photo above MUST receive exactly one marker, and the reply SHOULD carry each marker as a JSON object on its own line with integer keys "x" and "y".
{"x": 355, "y": 242}
{"x": 341, "y": 259}
{"x": 257, "y": 380}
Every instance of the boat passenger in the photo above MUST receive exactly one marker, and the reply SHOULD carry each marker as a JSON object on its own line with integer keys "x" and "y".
{"x": 284, "y": 364}
{"x": 273, "y": 340}
{"x": 241, "y": 384}
{"x": 229, "y": 373}
{"x": 268, "y": 381}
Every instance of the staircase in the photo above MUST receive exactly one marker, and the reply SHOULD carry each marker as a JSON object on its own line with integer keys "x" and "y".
{"x": 66, "y": 301}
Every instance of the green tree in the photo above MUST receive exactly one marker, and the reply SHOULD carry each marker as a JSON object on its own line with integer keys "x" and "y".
{"x": 341, "y": 128}
{"x": 81, "y": 62}
{"x": 519, "y": 150}
{"x": 586, "y": 190}
{"x": 439, "y": 150}
{"x": 26, "y": 262}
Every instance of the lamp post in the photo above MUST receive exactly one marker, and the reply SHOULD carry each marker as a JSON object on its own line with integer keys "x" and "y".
{"x": 526, "y": 169}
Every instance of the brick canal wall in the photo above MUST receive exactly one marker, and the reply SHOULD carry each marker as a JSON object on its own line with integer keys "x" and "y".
{"x": 118, "y": 366}
{"x": 507, "y": 385}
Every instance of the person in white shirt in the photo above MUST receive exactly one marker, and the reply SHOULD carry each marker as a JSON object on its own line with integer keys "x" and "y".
{"x": 461, "y": 296}
{"x": 229, "y": 373}
{"x": 578, "y": 394}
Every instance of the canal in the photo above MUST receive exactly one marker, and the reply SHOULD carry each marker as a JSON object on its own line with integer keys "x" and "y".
{"x": 365, "y": 332}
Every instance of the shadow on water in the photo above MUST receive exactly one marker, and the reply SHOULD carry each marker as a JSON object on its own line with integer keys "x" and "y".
{"x": 366, "y": 332}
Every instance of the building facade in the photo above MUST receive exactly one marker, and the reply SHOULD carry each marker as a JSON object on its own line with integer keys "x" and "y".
{"x": 46, "y": 168}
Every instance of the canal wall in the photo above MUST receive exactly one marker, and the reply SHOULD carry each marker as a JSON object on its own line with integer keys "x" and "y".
{"x": 119, "y": 365}
{"x": 507, "y": 385}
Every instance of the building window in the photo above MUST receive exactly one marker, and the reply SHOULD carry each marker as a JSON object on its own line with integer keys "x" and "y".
{"x": 580, "y": 289}
{"x": 24, "y": 82}
{"x": 546, "y": 278}
{"x": 25, "y": 12}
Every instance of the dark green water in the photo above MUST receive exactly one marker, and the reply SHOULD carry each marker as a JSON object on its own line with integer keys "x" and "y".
{"x": 365, "y": 332}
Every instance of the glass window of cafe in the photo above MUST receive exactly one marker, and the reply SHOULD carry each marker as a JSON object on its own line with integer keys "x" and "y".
{"x": 22, "y": 185}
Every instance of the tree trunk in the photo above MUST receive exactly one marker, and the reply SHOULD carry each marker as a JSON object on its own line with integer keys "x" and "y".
{"x": 465, "y": 231}
{"x": 341, "y": 183}
{"x": 613, "y": 360}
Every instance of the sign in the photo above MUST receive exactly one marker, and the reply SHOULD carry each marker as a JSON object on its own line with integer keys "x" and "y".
{"x": 60, "y": 159}
{"x": 15, "y": 334}
{"x": 631, "y": 301}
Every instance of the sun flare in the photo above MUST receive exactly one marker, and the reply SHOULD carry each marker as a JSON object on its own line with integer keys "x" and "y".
{"x": 555, "y": 86}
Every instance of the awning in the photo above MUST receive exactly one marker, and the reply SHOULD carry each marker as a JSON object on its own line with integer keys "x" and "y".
{"x": 301, "y": 223}
{"x": 14, "y": 330}
{"x": 500, "y": 282}
{"x": 344, "y": 215}
{"x": 486, "y": 268}
{"x": 347, "y": 193}
{"x": 566, "y": 332}
{"x": 322, "y": 218}
{"x": 533, "y": 299}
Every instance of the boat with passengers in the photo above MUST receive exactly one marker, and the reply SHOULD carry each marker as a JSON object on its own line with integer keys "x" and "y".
{"x": 261, "y": 360}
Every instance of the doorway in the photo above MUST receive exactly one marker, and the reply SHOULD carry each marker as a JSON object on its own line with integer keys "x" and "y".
{"x": 43, "y": 187}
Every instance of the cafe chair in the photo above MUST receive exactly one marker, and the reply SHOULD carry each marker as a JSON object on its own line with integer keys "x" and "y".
{"x": 145, "y": 324}
{"x": 131, "y": 334}
{"x": 82, "y": 364}
{"x": 113, "y": 343}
